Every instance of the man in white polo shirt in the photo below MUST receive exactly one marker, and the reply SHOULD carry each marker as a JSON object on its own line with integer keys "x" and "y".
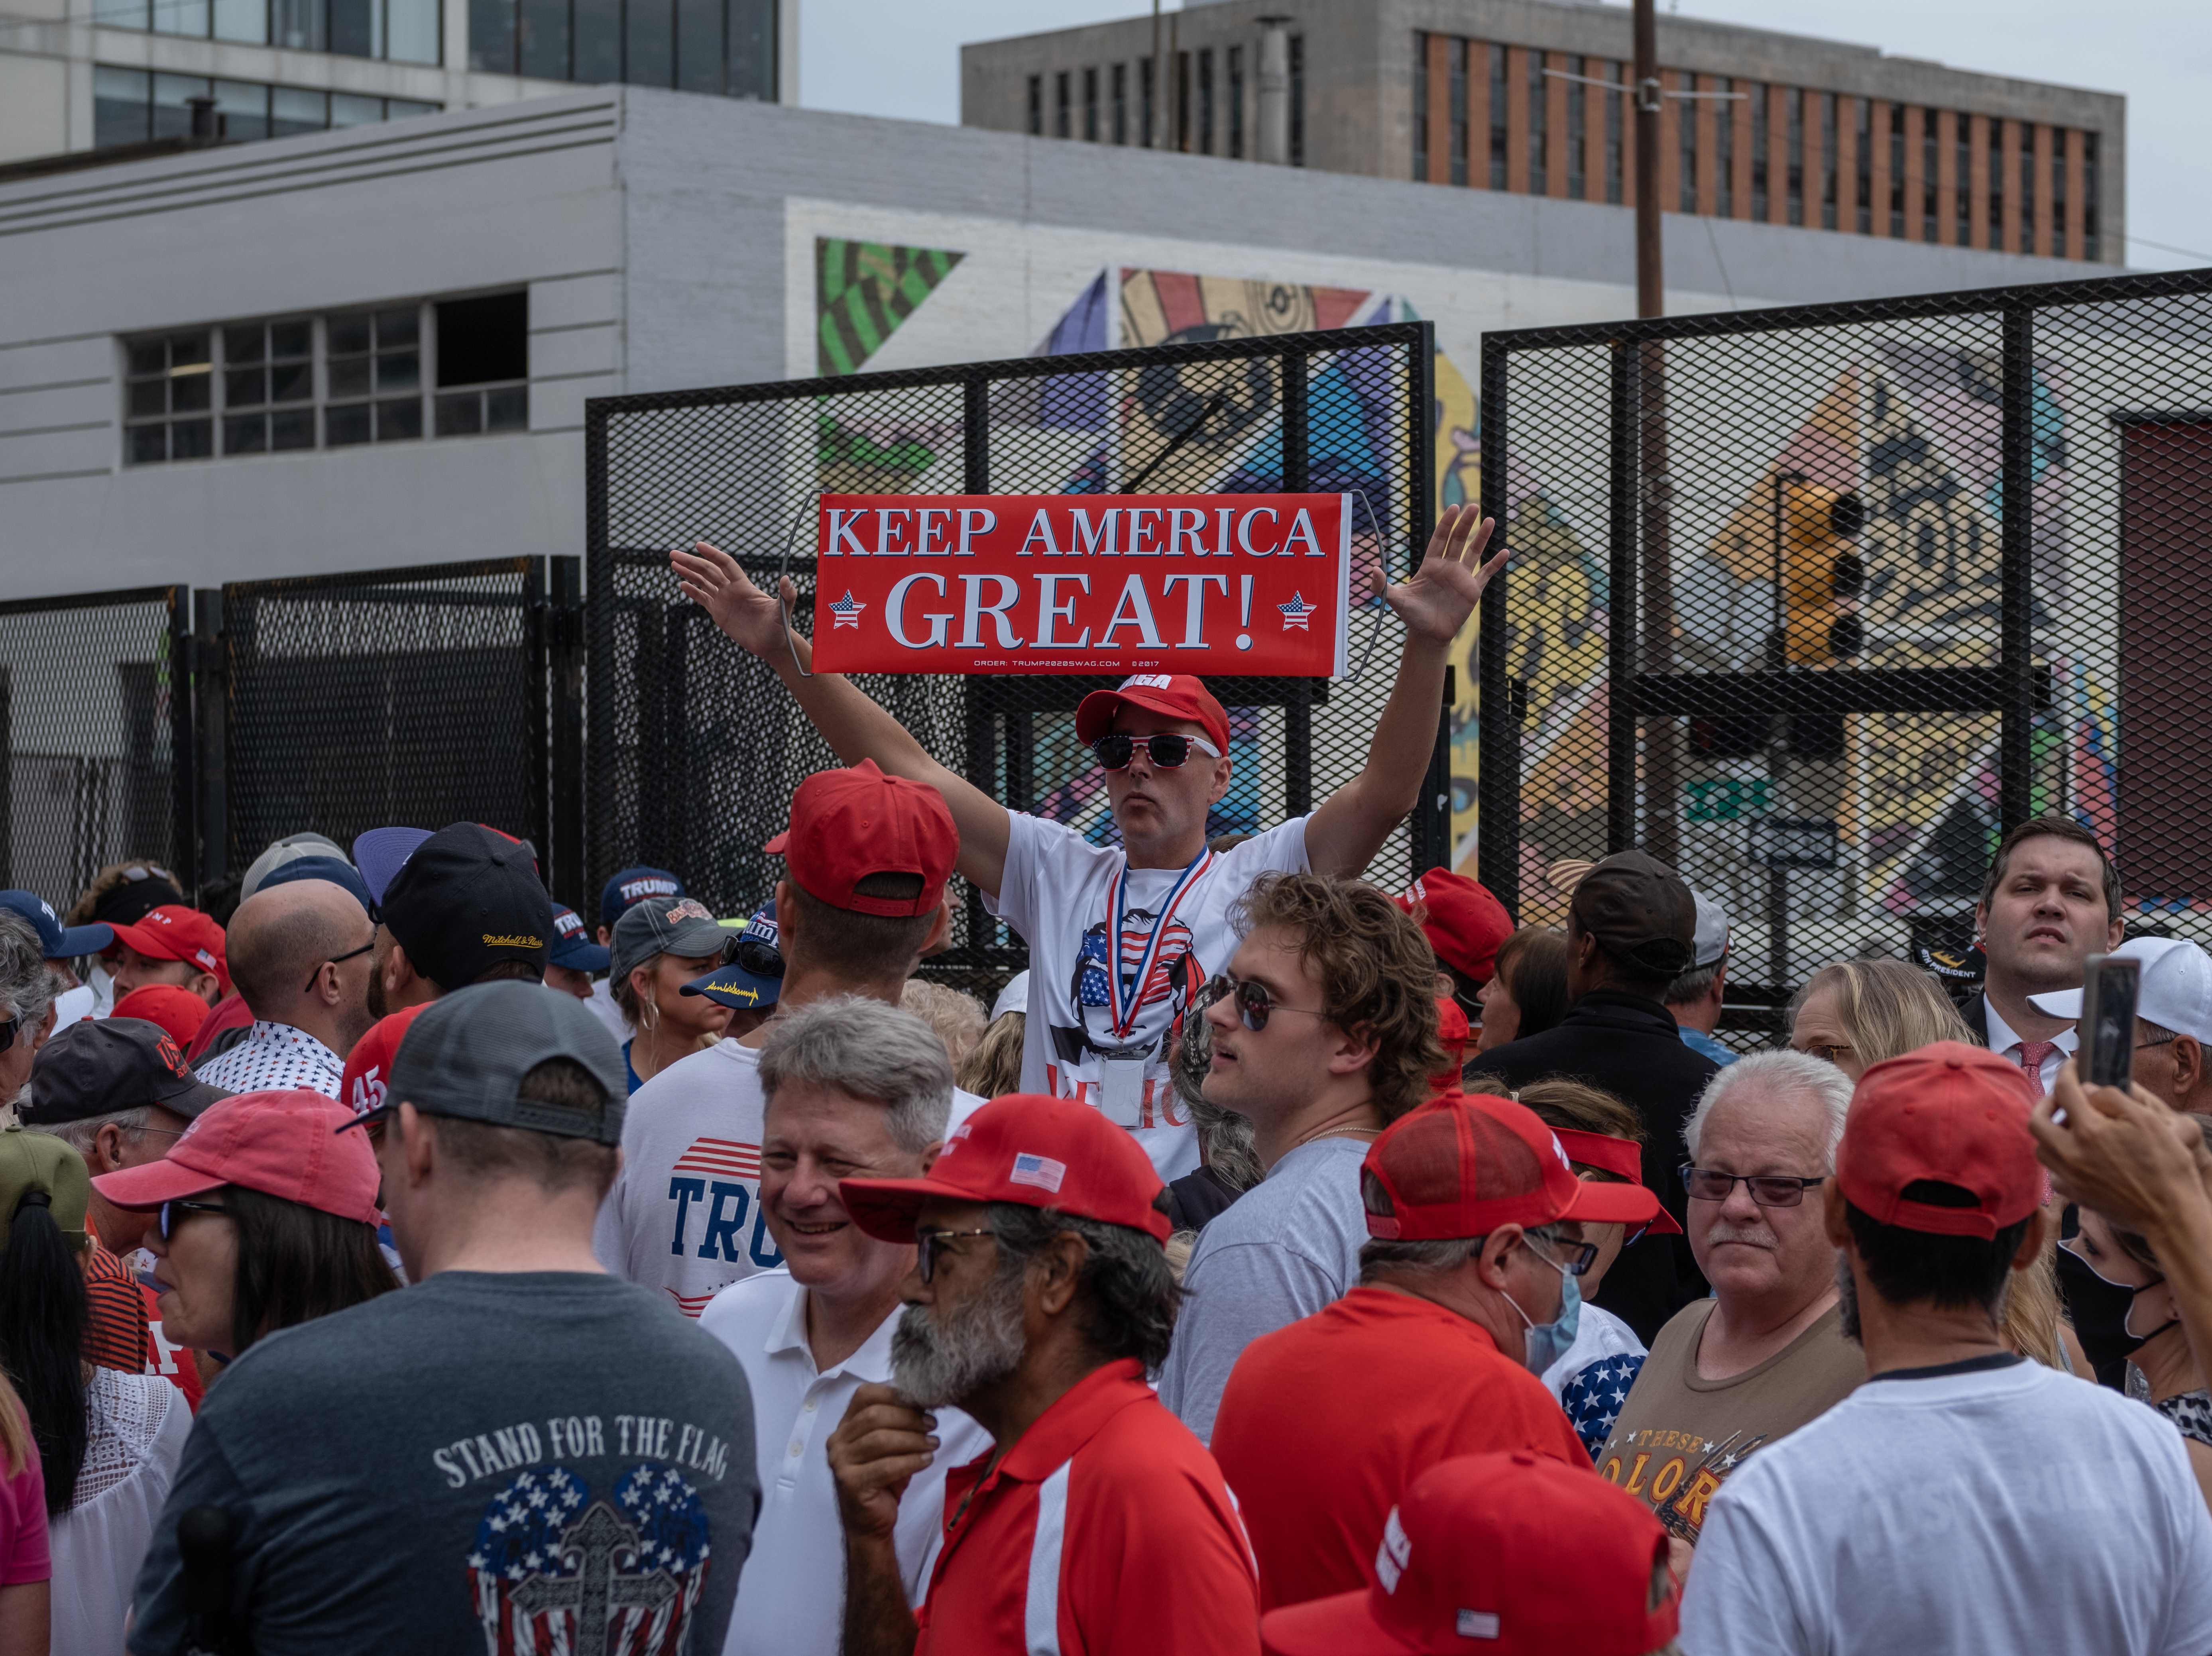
{"x": 854, "y": 1088}
{"x": 2173, "y": 1019}
{"x": 1121, "y": 937}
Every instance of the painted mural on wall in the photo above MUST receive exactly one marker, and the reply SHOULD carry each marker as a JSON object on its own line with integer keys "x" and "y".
{"x": 863, "y": 291}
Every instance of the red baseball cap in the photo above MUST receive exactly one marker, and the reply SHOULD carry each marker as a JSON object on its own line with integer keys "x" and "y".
{"x": 1461, "y": 1165}
{"x": 175, "y": 1009}
{"x": 173, "y": 932}
{"x": 1453, "y": 1033}
{"x": 1511, "y": 1554}
{"x": 368, "y": 1066}
{"x": 1027, "y": 1148}
{"x": 1622, "y": 1157}
{"x": 1465, "y": 924}
{"x": 1176, "y": 695}
{"x": 1947, "y": 1112}
{"x": 282, "y": 1143}
{"x": 848, "y": 824}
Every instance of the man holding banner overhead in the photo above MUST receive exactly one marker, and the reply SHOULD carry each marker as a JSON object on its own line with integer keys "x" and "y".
{"x": 1158, "y": 588}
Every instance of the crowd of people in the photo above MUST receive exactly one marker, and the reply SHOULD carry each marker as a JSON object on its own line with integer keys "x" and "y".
{"x": 400, "y": 1262}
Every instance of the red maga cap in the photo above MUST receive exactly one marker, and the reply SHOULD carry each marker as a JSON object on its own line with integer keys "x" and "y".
{"x": 368, "y": 1066}
{"x": 281, "y": 1143}
{"x": 1510, "y": 1554}
{"x": 1040, "y": 1152}
{"x": 173, "y": 932}
{"x": 1172, "y": 695}
{"x": 1462, "y": 1165}
{"x": 1950, "y": 1114}
{"x": 1622, "y": 1157}
{"x": 848, "y": 824}
{"x": 178, "y": 1011}
{"x": 1464, "y": 923}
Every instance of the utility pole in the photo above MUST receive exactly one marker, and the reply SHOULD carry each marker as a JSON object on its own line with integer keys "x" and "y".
{"x": 1159, "y": 84}
{"x": 1650, "y": 284}
{"x": 1661, "y": 737}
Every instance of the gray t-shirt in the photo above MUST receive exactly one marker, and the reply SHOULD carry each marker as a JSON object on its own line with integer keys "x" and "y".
{"x": 523, "y": 1462}
{"x": 1282, "y": 1251}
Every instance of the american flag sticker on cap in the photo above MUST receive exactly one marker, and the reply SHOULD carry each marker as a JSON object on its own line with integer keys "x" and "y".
{"x": 1039, "y": 1170}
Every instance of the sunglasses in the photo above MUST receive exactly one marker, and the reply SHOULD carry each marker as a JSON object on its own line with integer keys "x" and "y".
{"x": 1768, "y": 1190}
{"x": 1579, "y": 1256}
{"x": 760, "y": 958}
{"x": 167, "y": 1223}
{"x": 1254, "y": 1006}
{"x": 929, "y": 1244}
{"x": 8, "y": 1033}
{"x": 1167, "y": 750}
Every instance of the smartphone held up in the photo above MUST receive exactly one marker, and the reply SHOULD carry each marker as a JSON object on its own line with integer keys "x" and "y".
{"x": 2108, "y": 1026}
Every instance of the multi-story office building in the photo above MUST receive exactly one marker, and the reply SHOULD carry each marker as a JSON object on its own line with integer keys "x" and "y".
{"x": 1531, "y": 97}
{"x": 82, "y": 74}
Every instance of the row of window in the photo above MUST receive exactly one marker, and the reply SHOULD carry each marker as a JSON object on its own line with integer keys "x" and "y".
{"x": 1483, "y": 115}
{"x": 725, "y": 46}
{"x": 129, "y": 106}
{"x": 451, "y": 368}
{"x": 1206, "y": 113}
{"x": 403, "y": 31}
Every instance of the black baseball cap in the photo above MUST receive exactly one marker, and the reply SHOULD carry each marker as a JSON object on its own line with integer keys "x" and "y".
{"x": 466, "y": 1054}
{"x": 145, "y": 887}
{"x": 99, "y": 1066}
{"x": 467, "y": 899}
{"x": 1640, "y": 911}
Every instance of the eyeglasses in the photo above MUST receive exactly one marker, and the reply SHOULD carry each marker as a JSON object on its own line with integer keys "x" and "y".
{"x": 335, "y": 959}
{"x": 1168, "y": 750}
{"x": 166, "y": 1221}
{"x": 760, "y": 958}
{"x": 928, "y": 1244}
{"x": 8, "y": 1033}
{"x": 2142, "y": 1046}
{"x": 1254, "y": 1006}
{"x": 1772, "y": 1190}
{"x": 1826, "y": 1052}
{"x": 1580, "y": 1256}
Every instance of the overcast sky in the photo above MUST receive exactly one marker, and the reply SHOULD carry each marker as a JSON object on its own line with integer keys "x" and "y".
{"x": 901, "y": 57}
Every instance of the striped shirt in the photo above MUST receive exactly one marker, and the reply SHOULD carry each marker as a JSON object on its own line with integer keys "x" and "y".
{"x": 115, "y": 1324}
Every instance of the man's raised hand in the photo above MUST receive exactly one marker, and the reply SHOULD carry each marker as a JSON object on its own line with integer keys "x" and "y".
{"x": 1444, "y": 592}
{"x": 711, "y": 578}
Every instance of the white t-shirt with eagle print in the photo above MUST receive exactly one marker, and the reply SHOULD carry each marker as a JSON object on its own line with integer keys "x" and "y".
{"x": 1056, "y": 894}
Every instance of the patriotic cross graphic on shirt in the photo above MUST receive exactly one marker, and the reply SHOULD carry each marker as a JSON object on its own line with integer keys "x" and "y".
{"x": 598, "y": 1587}
{"x": 846, "y": 612}
{"x": 1297, "y": 613}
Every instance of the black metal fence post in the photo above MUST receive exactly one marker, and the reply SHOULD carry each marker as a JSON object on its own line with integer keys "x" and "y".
{"x": 1624, "y": 485}
{"x": 211, "y": 697}
{"x": 183, "y": 774}
{"x": 2016, "y": 642}
{"x": 1497, "y": 793}
{"x": 565, "y": 873}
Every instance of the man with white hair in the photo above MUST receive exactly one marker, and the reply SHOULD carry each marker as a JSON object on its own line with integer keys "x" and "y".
{"x": 1767, "y": 1352}
{"x": 854, "y": 1088}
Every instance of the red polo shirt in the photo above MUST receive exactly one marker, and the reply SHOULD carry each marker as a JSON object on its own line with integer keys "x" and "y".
{"x": 1323, "y": 1423}
{"x": 1105, "y": 1531}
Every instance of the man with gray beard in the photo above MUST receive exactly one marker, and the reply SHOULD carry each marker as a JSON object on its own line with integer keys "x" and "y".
{"x": 1766, "y": 1352}
{"x": 1041, "y": 1298}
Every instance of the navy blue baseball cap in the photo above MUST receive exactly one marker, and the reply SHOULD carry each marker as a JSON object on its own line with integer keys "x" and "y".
{"x": 56, "y": 941}
{"x": 751, "y": 978}
{"x": 380, "y": 853}
{"x": 573, "y": 947}
{"x": 332, "y": 870}
{"x": 635, "y": 885}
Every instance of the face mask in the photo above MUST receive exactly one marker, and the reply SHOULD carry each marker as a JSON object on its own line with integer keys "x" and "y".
{"x": 1548, "y": 1342}
{"x": 2102, "y": 1310}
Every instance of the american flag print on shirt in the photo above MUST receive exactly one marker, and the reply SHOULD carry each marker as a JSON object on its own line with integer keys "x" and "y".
{"x": 1593, "y": 1398}
{"x": 555, "y": 1572}
{"x": 728, "y": 1157}
{"x": 713, "y": 1189}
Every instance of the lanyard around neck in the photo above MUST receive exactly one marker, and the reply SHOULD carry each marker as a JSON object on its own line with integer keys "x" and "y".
{"x": 1126, "y": 995}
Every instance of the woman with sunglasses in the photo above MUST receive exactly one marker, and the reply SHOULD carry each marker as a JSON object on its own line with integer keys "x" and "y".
{"x": 265, "y": 1215}
{"x": 108, "y": 1441}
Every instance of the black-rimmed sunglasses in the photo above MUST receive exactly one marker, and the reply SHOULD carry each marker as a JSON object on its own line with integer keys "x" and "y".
{"x": 757, "y": 955}
{"x": 929, "y": 1244}
{"x": 1254, "y": 1006}
{"x": 1579, "y": 1256}
{"x": 336, "y": 960}
{"x": 1168, "y": 750}
{"x": 167, "y": 1221}
{"x": 1772, "y": 1190}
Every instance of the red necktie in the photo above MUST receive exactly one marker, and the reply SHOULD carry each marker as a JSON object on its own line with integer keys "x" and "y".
{"x": 2032, "y": 1055}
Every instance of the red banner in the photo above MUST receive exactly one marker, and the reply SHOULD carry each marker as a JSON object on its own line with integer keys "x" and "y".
{"x": 1242, "y": 584}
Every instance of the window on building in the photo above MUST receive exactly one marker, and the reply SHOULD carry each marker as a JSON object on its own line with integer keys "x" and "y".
{"x": 1090, "y": 105}
{"x": 1236, "y": 103}
{"x": 1897, "y": 171}
{"x": 1036, "y": 106}
{"x": 129, "y": 105}
{"x": 1497, "y": 124}
{"x": 1862, "y": 112}
{"x": 1930, "y": 167}
{"x": 1686, "y": 126}
{"x": 276, "y": 384}
{"x": 1828, "y": 183}
{"x": 726, "y": 47}
{"x": 1760, "y": 103}
{"x": 2058, "y": 245}
{"x": 1205, "y": 101}
{"x": 1996, "y": 185}
{"x": 1183, "y": 122}
{"x": 1458, "y": 112}
{"x": 400, "y": 30}
{"x": 1420, "y": 107}
{"x": 1298, "y": 101}
{"x": 1577, "y": 130}
{"x": 1724, "y": 148}
{"x": 1120, "y": 103}
{"x": 2092, "y": 242}
{"x": 2028, "y": 242}
{"x": 1962, "y": 173}
{"x": 1794, "y": 113}
{"x": 1145, "y": 75}
{"x": 1614, "y": 184}
{"x": 1540, "y": 161}
{"x": 1062, "y": 119}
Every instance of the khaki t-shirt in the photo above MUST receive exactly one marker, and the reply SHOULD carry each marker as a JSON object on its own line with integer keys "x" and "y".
{"x": 1678, "y": 1437}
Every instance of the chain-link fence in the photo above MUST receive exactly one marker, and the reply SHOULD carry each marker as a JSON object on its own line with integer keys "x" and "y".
{"x": 695, "y": 748}
{"x": 1814, "y": 604}
{"x": 97, "y": 740}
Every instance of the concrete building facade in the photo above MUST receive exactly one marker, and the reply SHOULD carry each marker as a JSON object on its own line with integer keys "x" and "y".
{"x": 1530, "y": 97}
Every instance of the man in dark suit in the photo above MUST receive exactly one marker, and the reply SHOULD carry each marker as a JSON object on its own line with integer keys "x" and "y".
{"x": 1632, "y": 928}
